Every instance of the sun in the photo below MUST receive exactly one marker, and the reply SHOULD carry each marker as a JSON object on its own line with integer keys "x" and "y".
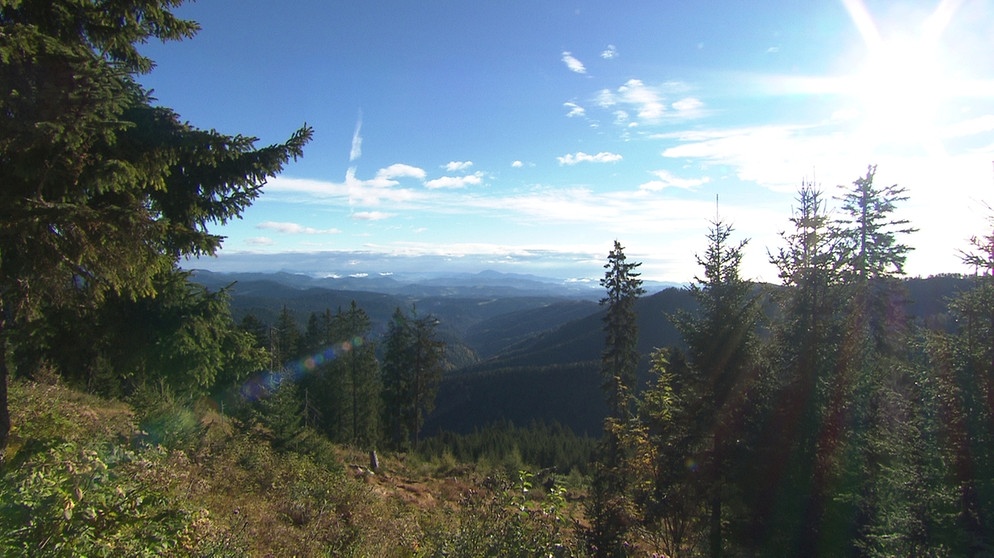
{"x": 902, "y": 89}
{"x": 902, "y": 86}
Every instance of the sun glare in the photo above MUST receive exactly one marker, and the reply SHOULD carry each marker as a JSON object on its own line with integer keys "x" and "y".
{"x": 902, "y": 85}
{"x": 902, "y": 90}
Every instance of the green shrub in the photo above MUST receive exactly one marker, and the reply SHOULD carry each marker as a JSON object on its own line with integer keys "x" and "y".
{"x": 75, "y": 500}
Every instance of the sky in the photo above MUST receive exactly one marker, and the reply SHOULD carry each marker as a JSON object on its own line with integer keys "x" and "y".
{"x": 527, "y": 136}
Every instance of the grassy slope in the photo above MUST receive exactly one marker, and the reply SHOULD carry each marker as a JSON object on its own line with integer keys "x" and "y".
{"x": 82, "y": 478}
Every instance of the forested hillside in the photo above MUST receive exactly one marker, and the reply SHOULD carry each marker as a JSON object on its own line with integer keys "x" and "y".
{"x": 148, "y": 410}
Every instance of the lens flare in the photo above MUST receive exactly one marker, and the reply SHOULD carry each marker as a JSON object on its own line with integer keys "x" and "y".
{"x": 263, "y": 383}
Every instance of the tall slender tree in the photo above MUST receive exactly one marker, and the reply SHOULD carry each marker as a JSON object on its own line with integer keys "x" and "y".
{"x": 619, "y": 364}
{"x": 964, "y": 362}
{"x": 721, "y": 352}
{"x": 101, "y": 189}
{"x": 873, "y": 397}
{"x": 412, "y": 369}
{"x": 802, "y": 434}
{"x": 620, "y": 359}
{"x": 396, "y": 361}
{"x": 356, "y": 366}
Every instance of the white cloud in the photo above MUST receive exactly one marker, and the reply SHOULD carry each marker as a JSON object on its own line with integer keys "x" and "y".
{"x": 647, "y": 104}
{"x": 648, "y": 101}
{"x": 352, "y": 190}
{"x": 666, "y": 179}
{"x": 573, "y": 64}
{"x": 970, "y": 127}
{"x": 606, "y": 99}
{"x": 688, "y": 104}
{"x": 574, "y": 109}
{"x": 581, "y": 157}
{"x": 400, "y": 170}
{"x": 456, "y": 166}
{"x": 370, "y": 215}
{"x": 610, "y": 52}
{"x": 356, "y": 150}
{"x": 259, "y": 241}
{"x": 455, "y": 181}
{"x": 293, "y": 228}
{"x": 386, "y": 177}
{"x": 517, "y": 164}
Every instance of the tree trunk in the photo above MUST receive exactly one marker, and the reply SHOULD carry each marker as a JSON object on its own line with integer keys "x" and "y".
{"x": 715, "y": 519}
{"x": 4, "y": 408}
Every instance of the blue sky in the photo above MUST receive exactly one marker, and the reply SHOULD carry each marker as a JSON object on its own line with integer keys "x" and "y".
{"x": 526, "y": 136}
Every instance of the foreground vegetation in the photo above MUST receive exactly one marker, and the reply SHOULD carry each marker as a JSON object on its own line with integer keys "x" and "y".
{"x": 815, "y": 419}
{"x": 84, "y": 477}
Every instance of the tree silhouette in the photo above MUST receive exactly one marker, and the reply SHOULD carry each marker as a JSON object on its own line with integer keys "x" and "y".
{"x": 101, "y": 189}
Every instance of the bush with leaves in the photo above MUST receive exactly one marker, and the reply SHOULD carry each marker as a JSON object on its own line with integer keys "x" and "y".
{"x": 505, "y": 521}
{"x": 78, "y": 500}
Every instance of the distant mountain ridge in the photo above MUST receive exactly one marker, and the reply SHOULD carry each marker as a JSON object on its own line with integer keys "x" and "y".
{"x": 425, "y": 284}
{"x": 521, "y": 348}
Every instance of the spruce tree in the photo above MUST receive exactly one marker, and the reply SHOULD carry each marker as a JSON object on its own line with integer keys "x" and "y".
{"x": 620, "y": 358}
{"x": 804, "y": 343}
{"x": 873, "y": 398}
{"x": 102, "y": 190}
{"x": 346, "y": 382}
{"x": 610, "y": 509}
{"x": 412, "y": 370}
{"x": 285, "y": 343}
{"x": 721, "y": 353}
{"x": 428, "y": 353}
{"x": 396, "y": 379}
{"x": 964, "y": 361}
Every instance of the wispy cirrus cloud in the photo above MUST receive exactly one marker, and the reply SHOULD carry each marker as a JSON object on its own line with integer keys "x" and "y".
{"x": 688, "y": 105}
{"x": 581, "y": 157}
{"x": 293, "y": 228}
{"x": 455, "y": 181}
{"x": 381, "y": 189}
{"x": 457, "y": 166}
{"x": 371, "y": 215}
{"x": 573, "y": 109}
{"x": 774, "y": 156}
{"x": 260, "y": 241}
{"x": 356, "y": 151}
{"x": 666, "y": 179}
{"x": 573, "y": 64}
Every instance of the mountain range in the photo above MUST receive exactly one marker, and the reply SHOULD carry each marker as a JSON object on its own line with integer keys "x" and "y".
{"x": 520, "y": 348}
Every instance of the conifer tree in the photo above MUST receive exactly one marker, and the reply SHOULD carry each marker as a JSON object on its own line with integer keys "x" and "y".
{"x": 412, "y": 369}
{"x": 964, "y": 362}
{"x": 285, "y": 343}
{"x": 721, "y": 354}
{"x": 101, "y": 189}
{"x": 619, "y": 362}
{"x": 804, "y": 345}
{"x": 183, "y": 338}
{"x": 872, "y": 401}
{"x": 364, "y": 376}
{"x": 620, "y": 359}
{"x": 396, "y": 361}
{"x": 428, "y": 355}
{"x": 347, "y": 382}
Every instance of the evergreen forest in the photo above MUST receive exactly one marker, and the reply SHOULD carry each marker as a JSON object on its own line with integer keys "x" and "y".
{"x": 147, "y": 409}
